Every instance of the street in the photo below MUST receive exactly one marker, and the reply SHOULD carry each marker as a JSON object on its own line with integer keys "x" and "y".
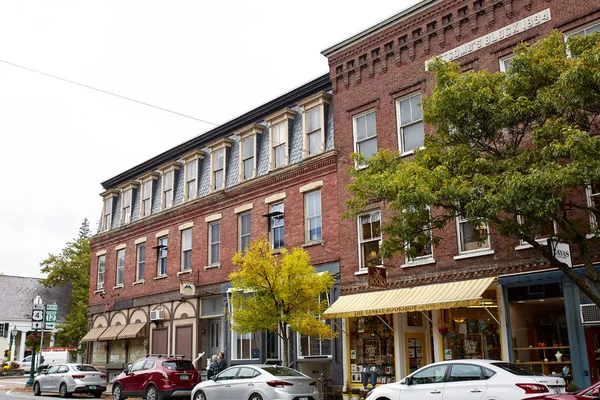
{"x": 14, "y": 387}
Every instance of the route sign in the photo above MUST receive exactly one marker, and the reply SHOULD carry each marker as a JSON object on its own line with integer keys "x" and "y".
{"x": 50, "y": 316}
{"x": 35, "y": 325}
{"x": 37, "y": 315}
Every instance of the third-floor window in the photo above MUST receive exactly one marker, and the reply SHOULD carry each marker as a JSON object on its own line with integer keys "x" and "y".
{"x": 126, "y": 204}
{"x": 365, "y": 134}
{"x": 410, "y": 123}
{"x": 248, "y": 157}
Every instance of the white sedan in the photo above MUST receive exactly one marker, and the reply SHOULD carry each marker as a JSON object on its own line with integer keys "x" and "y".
{"x": 470, "y": 380}
{"x": 67, "y": 379}
{"x": 256, "y": 382}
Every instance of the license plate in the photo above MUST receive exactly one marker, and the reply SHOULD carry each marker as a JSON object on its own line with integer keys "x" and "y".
{"x": 303, "y": 398}
{"x": 557, "y": 391}
{"x": 184, "y": 377}
{"x": 92, "y": 387}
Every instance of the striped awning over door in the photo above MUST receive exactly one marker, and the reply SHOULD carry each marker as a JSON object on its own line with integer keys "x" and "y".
{"x": 419, "y": 298}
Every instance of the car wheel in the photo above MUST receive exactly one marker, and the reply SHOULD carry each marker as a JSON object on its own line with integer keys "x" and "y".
{"x": 200, "y": 396}
{"x": 36, "y": 389}
{"x": 97, "y": 394}
{"x": 117, "y": 393}
{"x": 255, "y": 396}
{"x": 63, "y": 390}
{"x": 152, "y": 393}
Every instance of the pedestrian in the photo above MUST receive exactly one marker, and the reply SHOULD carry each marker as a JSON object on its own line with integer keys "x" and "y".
{"x": 213, "y": 367}
{"x": 222, "y": 362}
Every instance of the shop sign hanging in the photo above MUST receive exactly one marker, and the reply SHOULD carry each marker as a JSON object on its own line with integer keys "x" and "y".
{"x": 377, "y": 277}
{"x": 561, "y": 250}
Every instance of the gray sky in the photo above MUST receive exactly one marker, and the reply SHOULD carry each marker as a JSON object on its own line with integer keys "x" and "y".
{"x": 206, "y": 59}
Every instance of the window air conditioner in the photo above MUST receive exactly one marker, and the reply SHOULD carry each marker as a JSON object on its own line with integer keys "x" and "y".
{"x": 156, "y": 315}
{"x": 590, "y": 314}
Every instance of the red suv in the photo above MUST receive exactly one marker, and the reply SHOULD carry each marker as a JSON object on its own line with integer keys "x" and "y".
{"x": 156, "y": 377}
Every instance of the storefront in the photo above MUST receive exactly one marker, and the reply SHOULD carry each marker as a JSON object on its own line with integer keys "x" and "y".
{"x": 545, "y": 330}
{"x": 391, "y": 333}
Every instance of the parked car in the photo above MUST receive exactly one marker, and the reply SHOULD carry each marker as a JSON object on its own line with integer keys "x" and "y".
{"x": 156, "y": 377}
{"x": 67, "y": 379}
{"x": 256, "y": 382}
{"x": 470, "y": 380}
{"x": 25, "y": 364}
{"x": 589, "y": 393}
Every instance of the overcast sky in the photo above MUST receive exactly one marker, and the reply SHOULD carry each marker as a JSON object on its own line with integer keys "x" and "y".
{"x": 211, "y": 60}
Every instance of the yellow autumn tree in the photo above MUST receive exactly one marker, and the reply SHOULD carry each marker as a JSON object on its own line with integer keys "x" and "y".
{"x": 274, "y": 292}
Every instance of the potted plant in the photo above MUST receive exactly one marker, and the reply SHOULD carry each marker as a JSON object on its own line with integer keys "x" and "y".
{"x": 355, "y": 393}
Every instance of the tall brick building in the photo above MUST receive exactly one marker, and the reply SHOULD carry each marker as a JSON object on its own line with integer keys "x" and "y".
{"x": 463, "y": 298}
{"x": 171, "y": 225}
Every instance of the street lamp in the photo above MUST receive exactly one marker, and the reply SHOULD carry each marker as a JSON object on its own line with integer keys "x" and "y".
{"x": 37, "y": 305}
{"x": 13, "y": 334}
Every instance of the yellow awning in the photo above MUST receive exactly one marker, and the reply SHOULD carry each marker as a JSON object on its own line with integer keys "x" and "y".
{"x": 420, "y": 298}
{"x": 111, "y": 333}
{"x": 93, "y": 335}
{"x": 131, "y": 330}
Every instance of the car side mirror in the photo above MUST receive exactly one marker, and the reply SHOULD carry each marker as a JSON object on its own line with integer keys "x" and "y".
{"x": 407, "y": 381}
{"x": 126, "y": 371}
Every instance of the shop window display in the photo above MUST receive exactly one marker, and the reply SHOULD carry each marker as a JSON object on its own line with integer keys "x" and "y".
{"x": 99, "y": 352}
{"x": 472, "y": 332}
{"x": 372, "y": 349}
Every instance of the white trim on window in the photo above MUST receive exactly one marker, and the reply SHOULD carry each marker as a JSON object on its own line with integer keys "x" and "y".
{"x": 127, "y": 202}
{"x": 426, "y": 256}
{"x": 471, "y": 247}
{"x": 140, "y": 262}
{"x": 120, "y": 276}
{"x": 248, "y": 150}
{"x": 218, "y": 164}
{"x": 313, "y": 123}
{"x": 244, "y": 230}
{"x": 162, "y": 256}
{"x": 147, "y": 186}
{"x": 191, "y": 168}
{"x": 410, "y": 122}
{"x": 313, "y": 217}
{"x": 543, "y": 240}
{"x": 108, "y": 208}
{"x": 101, "y": 270}
{"x": 586, "y": 29}
{"x": 505, "y": 62}
{"x": 277, "y": 225}
{"x": 167, "y": 198}
{"x": 278, "y": 124}
{"x": 186, "y": 249}
{"x": 364, "y": 130}
{"x": 591, "y": 195}
{"x": 367, "y": 244}
{"x": 214, "y": 243}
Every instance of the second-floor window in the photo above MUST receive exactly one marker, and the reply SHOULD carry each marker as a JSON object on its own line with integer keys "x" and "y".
{"x": 107, "y": 219}
{"x": 146, "y": 198}
{"x": 314, "y": 131}
{"x": 191, "y": 179}
{"x": 167, "y": 182}
{"x": 120, "y": 267}
{"x": 410, "y": 126}
{"x": 369, "y": 235}
{"x": 186, "y": 250}
{"x": 421, "y": 247}
{"x": 126, "y": 201}
{"x": 214, "y": 243}
{"x": 141, "y": 262}
{"x": 276, "y": 226}
{"x": 218, "y": 169}
{"x": 162, "y": 247}
{"x": 101, "y": 266}
{"x": 314, "y": 346}
{"x": 244, "y": 228}
{"x": 365, "y": 134}
{"x": 313, "y": 216}
{"x": 593, "y": 199}
{"x": 279, "y": 144}
{"x": 248, "y": 157}
{"x": 472, "y": 236}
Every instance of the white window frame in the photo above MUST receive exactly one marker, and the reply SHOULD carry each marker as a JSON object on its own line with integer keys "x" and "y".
{"x": 281, "y": 117}
{"x": 147, "y": 186}
{"x": 212, "y": 242}
{"x": 120, "y": 276}
{"x": 420, "y": 260}
{"x": 542, "y": 240}
{"x": 361, "y": 241}
{"x": 244, "y": 336}
{"x": 248, "y": 133}
{"x": 581, "y": 29}
{"x": 591, "y": 202}
{"x": 126, "y": 205}
{"x": 282, "y": 131}
{"x": 162, "y": 254}
{"x": 216, "y": 148}
{"x": 318, "y": 216}
{"x": 107, "y": 213}
{"x": 272, "y": 226}
{"x": 505, "y": 62}
{"x": 140, "y": 261}
{"x": 355, "y": 119}
{"x": 460, "y": 220}
{"x": 185, "y": 250}
{"x": 315, "y": 102}
{"x": 310, "y": 338}
{"x": 241, "y": 234}
{"x": 191, "y": 162}
{"x": 401, "y": 126}
{"x": 167, "y": 199}
{"x": 101, "y": 272}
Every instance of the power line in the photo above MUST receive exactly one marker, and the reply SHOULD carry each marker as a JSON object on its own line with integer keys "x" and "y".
{"x": 106, "y": 92}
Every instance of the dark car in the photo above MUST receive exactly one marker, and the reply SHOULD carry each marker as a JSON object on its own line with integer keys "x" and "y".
{"x": 156, "y": 377}
{"x": 589, "y": 393}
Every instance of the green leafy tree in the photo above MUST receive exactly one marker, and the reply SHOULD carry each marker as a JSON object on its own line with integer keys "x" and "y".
{"x": 514, "y": 150}
{"x": 71, "y": 267}
{"x": 277, "y": 291}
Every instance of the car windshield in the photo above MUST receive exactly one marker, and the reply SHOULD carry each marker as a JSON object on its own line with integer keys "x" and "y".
{"x": 178, "y": 365}
{"x": 282, "y": 371}
{"x": 84, "y": 368}
{"x": 516, "y": 369}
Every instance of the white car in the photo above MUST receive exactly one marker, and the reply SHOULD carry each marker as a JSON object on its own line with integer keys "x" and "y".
{"x": 66, "y": 379}
{"x": 25, "y": 364}
{"x": 256, "y": 382}
{"x": 470, "y": 380}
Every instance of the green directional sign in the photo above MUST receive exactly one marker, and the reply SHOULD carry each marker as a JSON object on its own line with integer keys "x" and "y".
{"x": 50, "y": 316}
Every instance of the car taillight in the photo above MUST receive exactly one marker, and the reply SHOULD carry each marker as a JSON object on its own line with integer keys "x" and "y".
{"x": 78, "y": 376}
{"x": 313, "y": 383}
{"x": 532, "y": 388}
{"x": 164, "y": 375}
{"x": 102, "y": 376}
{"x": 279, "y": 384}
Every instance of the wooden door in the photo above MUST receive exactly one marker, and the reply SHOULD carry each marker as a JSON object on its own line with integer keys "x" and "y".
{"x": 183, "y": 341}
{"x": 592, "y": 341}
{"x": 159, "y": 341}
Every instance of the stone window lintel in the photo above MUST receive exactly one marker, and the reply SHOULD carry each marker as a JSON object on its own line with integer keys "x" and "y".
{"x": 281, "y": 116}
{"x": 315, "y": 100}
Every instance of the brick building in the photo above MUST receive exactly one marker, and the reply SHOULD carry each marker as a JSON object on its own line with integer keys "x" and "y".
{"x": 171, "y": 225}
{"x": 428, "y": 312}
